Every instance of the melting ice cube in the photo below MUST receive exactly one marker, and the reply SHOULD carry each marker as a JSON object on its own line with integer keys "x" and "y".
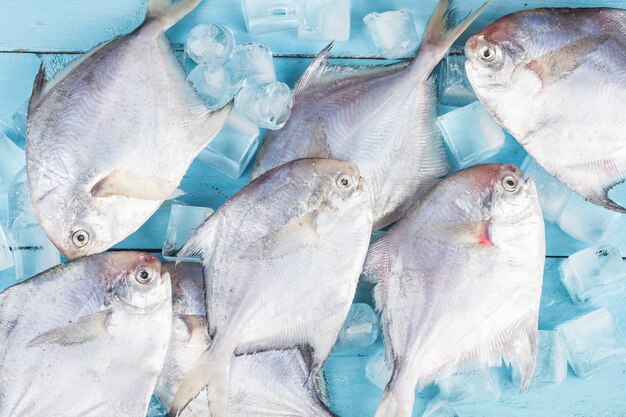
{"x": 553, "y": 195}
{"x": 209, "y": 43}
{"x": 12, "y": 160}
{"x": 252, "y": 63}
{"x": 360, "y": 328}
{"x": 454, "y": 86}
{"x": 233, "y": 148}
{"x": 592, "y": 273}
{"x": 593, "y": 342}
{"x": 438, "y": 408}
{"x": 470, "y": 386}
{"x": 586, "y": 221}
{"x": 551, "y": 364}
{"x": 182, "y": 223}
{"x": 393, "y": 32}
{"x": 6, "y": 260}
{"x": 470, "y": 134}
{"x": 267, "y": 105}
{"x": 264, "y": 16}
{"x": 212, "y": 83}
{"x": 324, "y": 20}
{"x": 377, "y": 371}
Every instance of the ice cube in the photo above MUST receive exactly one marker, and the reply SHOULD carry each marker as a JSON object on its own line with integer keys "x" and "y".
{"x": 593, "y": 342}
{"x": 12, "y": 160}
{"x": 182, "y": 223}
{"x": 553, "y": 195}
{"x": 360, "y": 328}
{"x": 586, "y": 221}
{"x": 233, "y": 148}
{"x": 264, "y": 16}
{"x": 209, "y": 43}
{"x": 155, "y": 408}
{"x": 393, "y": 32}
{"x": 32, "y": 250}
{"x": 251, "y": 63}
{"x": 267, "y": 105}
{"x": 15, "y": 127}
{"x": 377, "y": 371}
{"x": 324, "y": 20}
{"x": 6, "y": 259}
{"x": 438, "y": 408}
{"x": 212, "y": 83}
{"x": 592, "y": 273}
{"x": 470, "y": 386}
{"x": 470, "y": 134}
{"x": 551, "y": 363}
{"x": 454, "y": 86}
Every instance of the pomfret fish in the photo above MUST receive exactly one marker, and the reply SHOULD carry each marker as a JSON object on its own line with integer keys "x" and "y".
{"x": 85, "y": 339}
{"x": 281, "y": 262}
{"x": 556, "y": 79}
{"x": 110, "y": 137}
{"x": 380, "y": 118}
{"x": 459, "y": 280}
{"x": 272, "y": 383}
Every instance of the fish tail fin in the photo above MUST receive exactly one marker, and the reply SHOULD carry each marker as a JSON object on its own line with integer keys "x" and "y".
{"x": 398, "y": 398}
{"x": 439, "y": 36}
{"x": 168, "y": 11}
{"x": 211, "y": 371}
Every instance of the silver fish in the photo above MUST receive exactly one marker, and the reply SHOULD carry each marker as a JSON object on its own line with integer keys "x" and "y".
{"x": 110, "y": 137}
{"x": 281, "y": 262}
{"x": 272, "y": 383}
{"x": 459, "y": 279}
{"x": 85, "y": 339}
{"x": 556, "y": 79}
{"x": 380, "y": 118}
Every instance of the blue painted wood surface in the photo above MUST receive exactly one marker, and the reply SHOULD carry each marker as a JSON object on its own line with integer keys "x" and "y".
{"x": 60, "y": 29}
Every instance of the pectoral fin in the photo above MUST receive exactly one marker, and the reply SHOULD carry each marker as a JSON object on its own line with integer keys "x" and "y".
{"x": 133, "y": 185}
{"x": 461, "y": 234}
{"x": 85, "y": 329}
{"x": 560, "y": 64}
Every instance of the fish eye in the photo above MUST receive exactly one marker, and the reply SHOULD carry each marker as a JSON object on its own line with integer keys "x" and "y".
{"x": 344, "y": 182}
{"x": 80, "y": 238}
{"x": 510, "y": 183}
{"x": 144, "y": 276}
{"x": 487, "y": 53}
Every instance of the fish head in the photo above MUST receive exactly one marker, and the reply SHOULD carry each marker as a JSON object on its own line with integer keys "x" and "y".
{"x": 135, "y": 280}
{"x": 504, "y": 192}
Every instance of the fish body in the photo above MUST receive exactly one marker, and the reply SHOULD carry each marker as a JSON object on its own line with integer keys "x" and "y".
{"x": 85, "y": 339}
{"x": 556, "y": 79}
{"x": 281, "y": 262}
{"x": 380, "y": 118}
{"x": 459, "y": 281}
{"x": 110, "y": 137}
{"x": 271, "y": 383}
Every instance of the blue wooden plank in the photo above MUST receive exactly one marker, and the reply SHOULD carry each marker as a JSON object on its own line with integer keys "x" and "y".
{"x": 78, "y": 25}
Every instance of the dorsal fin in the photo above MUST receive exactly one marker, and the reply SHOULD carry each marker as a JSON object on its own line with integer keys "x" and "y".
{"x": 315, "y": 71}
{"x": 38, "y": 88}
{"x": 169, "y": 11}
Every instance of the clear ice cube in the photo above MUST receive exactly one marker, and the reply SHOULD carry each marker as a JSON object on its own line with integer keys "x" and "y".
{"x": 251, "y": 63}
{"x": 12, "y": 160}
{"x": 156, "y": 409}
{"x": 438, "y": 408}
{"x": 470, "y": 134}
{"x": 6, "y": 259}
{"x": 267, "y": 105}
{"x": 592, "y": 273}
{"x": 470, "y": 386}
{"x": 586, "y": 221}
{"x": 32, "y": 250}
{"x": 182, "y": 223}
{"x": 393, "y": 32}
{"x": 324, "y": 20}
{"x": 377, "y": 371}
{"x": 15, "y": 127}
{"x": 454, "y": 86}
{"x": 264, "y": 16}
{"x": 212, "y": 83}
{"x": 209, "y": 43}
{"x": 553, "y": 195}
{"x": 593, "y": 342}
{"x": 233, "y": 148}
{"x": 360, "y": 328}
{"x": 551, "y": 363}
